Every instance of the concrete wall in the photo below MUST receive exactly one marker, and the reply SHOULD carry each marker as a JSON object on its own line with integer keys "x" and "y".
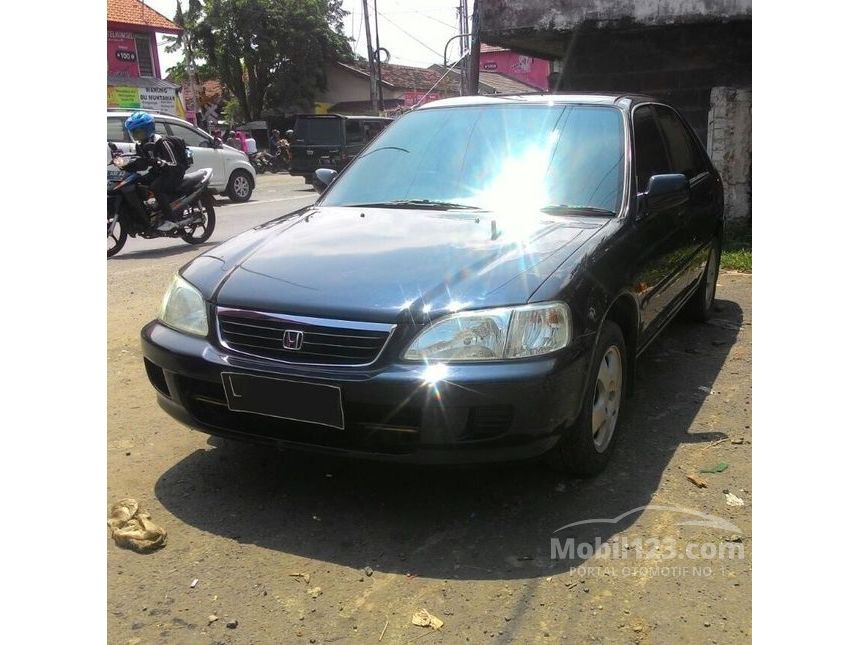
{"x": 730, "y": 148}
{"x": 561, "y": 15}
{"x": 345, "y": 86}
{"x": 678, "y": 64}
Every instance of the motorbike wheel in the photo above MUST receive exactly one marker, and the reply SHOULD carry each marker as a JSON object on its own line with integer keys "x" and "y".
{"x": 201, "y": 231}
{"x": 116, "y": 239}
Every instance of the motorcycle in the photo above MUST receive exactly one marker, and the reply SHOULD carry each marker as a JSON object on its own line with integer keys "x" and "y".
{"x": 278, "y": 162}
{"x": 131, "y": 206}
{"x": 262, "y": 161}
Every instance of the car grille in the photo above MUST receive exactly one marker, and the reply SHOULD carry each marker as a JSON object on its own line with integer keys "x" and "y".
{"x": 299, "y": 339}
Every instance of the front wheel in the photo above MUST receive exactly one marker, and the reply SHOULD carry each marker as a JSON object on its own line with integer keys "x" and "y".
{"x": 587, "y": 443}
{"x": 116, "y": 235}
{"x": 203, "y": 226}
{"x": 239, "y": 187}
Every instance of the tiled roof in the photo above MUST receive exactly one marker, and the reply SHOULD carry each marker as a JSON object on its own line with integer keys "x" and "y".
{"x": 504, "y": 84}
{"x": 485, "y": 49}
{"x": 410, "y": 78}
{"x": 135, "y": 12}
{"x": 208, "y": 88}
{"x": 494, "y": 82}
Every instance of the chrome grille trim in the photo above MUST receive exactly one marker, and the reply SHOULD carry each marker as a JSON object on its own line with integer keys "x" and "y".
{"x": 339, "y": 329}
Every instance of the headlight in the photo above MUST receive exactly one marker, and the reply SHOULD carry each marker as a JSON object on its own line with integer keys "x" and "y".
{"x": 183, "y": 308}
{"x": 494, "y": 334}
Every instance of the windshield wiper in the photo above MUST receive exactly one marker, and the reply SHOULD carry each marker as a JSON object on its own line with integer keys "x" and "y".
{"x": 428, "y": 204}
{"x": 564, "y": 209}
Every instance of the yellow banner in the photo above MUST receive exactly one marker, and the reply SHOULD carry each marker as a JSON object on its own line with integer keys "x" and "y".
{"x": 123, "y": 97}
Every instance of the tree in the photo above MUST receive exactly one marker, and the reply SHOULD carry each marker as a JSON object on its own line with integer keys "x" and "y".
{"x": 270, "y": 53}
{"x": 187, "y": 42}
{"x": 178, "y": 73}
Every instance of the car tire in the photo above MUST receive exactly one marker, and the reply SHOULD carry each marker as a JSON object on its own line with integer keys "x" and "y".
{"x": 240, "y": 186}
{"x": 700, "y": 305}
{"x": 586, "y": 445}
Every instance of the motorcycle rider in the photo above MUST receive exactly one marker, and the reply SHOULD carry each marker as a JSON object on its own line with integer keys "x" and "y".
{"x": 165, "y": 159}
{"x": 274, "y": 137}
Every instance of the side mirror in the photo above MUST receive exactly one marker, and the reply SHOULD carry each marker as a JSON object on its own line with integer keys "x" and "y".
{"x": 664, "y": 192}
{"x": 322, "y": 178}
{"x": 217, "y": 143}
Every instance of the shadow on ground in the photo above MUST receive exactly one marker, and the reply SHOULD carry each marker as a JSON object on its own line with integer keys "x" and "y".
{"x": 166, "y": 252}
{"x": 479, "y": 523}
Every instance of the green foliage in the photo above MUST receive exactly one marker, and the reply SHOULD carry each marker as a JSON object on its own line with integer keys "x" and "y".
{"x": 269, "y": 53}
{"x": 737, "y": 249}
{"x": 177, "y": 74}
{"x": 233, "y": 112}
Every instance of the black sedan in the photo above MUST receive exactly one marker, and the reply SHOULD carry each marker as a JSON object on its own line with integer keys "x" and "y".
{"x": 476, "y": 286}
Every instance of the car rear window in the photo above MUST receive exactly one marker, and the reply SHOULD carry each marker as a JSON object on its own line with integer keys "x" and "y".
{"x": 318, "y": 132}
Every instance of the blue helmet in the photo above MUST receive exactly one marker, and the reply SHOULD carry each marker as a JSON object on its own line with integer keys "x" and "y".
{"x": 141, "y": 124}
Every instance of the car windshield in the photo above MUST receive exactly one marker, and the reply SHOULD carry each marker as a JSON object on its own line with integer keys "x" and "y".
{"x": 558, "y": 158}
{"x": 318, "y": 132}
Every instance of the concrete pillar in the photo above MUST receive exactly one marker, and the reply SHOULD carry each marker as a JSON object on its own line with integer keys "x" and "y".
{"x": 730, "y": 148}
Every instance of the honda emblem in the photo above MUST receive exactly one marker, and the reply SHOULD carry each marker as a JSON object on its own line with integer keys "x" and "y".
{"x": 293, "y": 339}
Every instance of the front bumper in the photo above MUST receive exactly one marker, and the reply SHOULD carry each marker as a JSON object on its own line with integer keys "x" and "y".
{"x": 478, "y": 413}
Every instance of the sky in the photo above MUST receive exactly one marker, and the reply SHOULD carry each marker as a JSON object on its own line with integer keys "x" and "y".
{"x": 413, "y": 31}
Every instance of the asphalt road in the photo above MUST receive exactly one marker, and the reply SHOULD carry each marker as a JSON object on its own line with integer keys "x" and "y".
{"x": 274, "y": 195}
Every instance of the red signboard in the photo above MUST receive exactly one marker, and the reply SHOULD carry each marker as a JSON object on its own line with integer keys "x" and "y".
{"x": 413, "y": 98}
{"x": 122, "y": 54}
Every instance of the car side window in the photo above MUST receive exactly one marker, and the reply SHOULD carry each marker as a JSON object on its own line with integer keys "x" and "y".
{"x": 115, "y": 130}
{"x": 189, "y": 136}
{"x": 354, "y": 132}
{"x": 684, "y": 155}
{"x": 161, "y": 128}
{"x": 651, "y": 158}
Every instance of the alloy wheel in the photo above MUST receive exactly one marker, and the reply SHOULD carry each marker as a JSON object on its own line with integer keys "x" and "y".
{"x": 241, "y": 186}
{"x": 607, "y": 398}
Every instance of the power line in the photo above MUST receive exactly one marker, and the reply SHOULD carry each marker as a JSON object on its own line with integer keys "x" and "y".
{"x": 396, "y": 26}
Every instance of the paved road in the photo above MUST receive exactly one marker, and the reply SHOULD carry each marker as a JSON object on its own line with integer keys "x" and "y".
{"x": 274, "y": 195}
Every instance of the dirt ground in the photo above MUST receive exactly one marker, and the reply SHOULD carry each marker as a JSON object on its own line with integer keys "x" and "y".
{"x": 472, "y": 546}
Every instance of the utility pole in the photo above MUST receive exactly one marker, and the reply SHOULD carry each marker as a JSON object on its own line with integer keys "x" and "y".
{"x": 191, "y": 71}
{"x": 380, "y": 108}
{"x": 475, "y": 56}
{"x": 462, "y": 28}
{"x": 371, "y": 63}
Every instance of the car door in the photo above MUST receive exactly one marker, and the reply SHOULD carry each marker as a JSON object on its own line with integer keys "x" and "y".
{"x": 660, "y": 243}
{"x": 698, "y": 221}
{"x": 205, "y": 155}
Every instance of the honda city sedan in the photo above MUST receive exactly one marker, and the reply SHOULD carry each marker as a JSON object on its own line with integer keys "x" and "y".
{"x": 476, "y": 286}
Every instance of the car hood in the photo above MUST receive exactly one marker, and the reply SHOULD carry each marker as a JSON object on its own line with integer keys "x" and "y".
{"x": 388, "y": 265}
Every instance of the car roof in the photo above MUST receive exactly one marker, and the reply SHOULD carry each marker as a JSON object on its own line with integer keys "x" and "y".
{"x": 155, "y": 113}
{"x": 544, "y": 98}
{"x": 344, "y": 116}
